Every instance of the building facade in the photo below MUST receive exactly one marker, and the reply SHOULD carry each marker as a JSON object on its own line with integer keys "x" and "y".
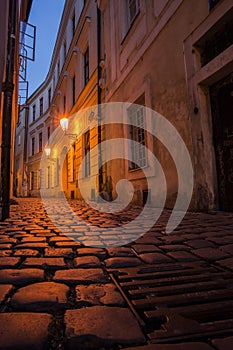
{"x": 12, "y": 14}
{"x": 70, "y": 85}
{"x": 176, "y": 57}
{"x": 173, "y": 56}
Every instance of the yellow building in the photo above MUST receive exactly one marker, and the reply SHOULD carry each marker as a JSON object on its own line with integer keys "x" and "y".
{"x": 70, "y": 86}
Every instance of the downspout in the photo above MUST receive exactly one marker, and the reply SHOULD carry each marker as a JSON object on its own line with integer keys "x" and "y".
{"x": 99, "y": 98}
{"x": 25, "y": 150}
{"x": 8, "y": 88}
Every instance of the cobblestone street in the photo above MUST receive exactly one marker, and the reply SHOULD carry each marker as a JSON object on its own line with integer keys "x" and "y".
{"x": 162, "y": 292}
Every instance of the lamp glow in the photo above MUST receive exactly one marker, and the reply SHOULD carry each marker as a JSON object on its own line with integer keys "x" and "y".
{"x": 64, "y": 122}
{"x": 47, "y": 151}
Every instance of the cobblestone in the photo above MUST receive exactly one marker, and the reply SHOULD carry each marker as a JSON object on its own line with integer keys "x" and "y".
{"x": 223, "y": 344}
{"x": 58, "y": 252}
{"x": 210, "y": 254}
{"x": 24, "y": 330}
{"x": 122, "y": 261}
{"x": 4, "y": 290}
{"x": 40, "y": 297}
{"x": 35, "y": 245}
{"x": 5, "y": 252}
{"x": 8, "y": 262}
{"x": 26, "y": 252}
{"x": 44, "y": 262}
{"x": 80, "y": 275}
{"x": 99, "y": 294}
{"x": 105, "y": 328}
{"x": 120, "y": 251}
{"x": 87, "y": 261}
{"x": 42, "y": 271}
{"x": 92, "y": 251}
{"x": 20, "y": 277}
{"x": 182, "y": 256}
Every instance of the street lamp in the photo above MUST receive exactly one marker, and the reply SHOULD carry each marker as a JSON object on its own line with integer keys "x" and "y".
{"x": 48, "y": 154}
{"x": 64, "y": 122}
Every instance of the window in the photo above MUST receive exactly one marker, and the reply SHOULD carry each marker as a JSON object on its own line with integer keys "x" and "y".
{"x": 72, "y": 163}
{"x": 86, "y": 66}
{"x": 212, "y": 3}
{"x": 33, "y": 113}
{"x": 49, "y": 96}
{"x": 40, "y": 142}
{"x": 73, "y": 24}
{"x": 58, "y": 69}
{"x": 33, "y": 146}
{"x": 41, "y": 106}
{"x": 32, "y": 180}
{"x": 133, "y": 9}
{"x": 37, "y": 179}
{"x": 137, "y": 134}
{"x": 47, "y": 177}
{"x": 64, "y": 104}
{"x": 40, "y": 174}
{"x": 86, "y": 153}
{"x": 73, "y": 89}
{"x": 48, "y": 132}
{"x": 64, "y": 52}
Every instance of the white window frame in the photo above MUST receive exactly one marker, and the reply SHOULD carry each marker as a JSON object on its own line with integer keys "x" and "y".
{"x": 138, "y": 148}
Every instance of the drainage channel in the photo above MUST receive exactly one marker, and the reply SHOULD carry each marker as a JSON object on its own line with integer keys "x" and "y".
{"x": 180, "y": 301}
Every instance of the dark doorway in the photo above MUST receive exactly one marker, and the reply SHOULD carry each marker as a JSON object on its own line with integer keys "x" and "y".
{"x": 221, "y": 95}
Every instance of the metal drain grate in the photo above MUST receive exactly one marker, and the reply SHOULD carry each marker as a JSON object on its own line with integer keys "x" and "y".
{"x": 182, "y": 301}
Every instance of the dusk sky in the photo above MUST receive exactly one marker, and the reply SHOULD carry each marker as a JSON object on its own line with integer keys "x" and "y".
{"x": 46, "y": 16}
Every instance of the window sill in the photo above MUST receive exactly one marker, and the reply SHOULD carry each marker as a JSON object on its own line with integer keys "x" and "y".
{"x": 138, "y": 169}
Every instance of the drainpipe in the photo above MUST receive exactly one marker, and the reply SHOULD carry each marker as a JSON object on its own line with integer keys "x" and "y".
{"x": 25, "y": 149}
{"x": 99, "y": 96}
{"x": 8, "y": 88}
